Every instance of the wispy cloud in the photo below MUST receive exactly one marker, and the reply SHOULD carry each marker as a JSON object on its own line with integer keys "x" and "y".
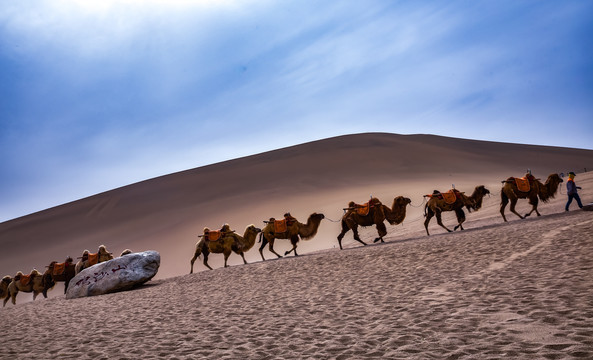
{"x": 126, "y": 90}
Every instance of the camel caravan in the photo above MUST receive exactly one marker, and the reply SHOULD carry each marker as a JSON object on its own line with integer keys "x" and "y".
{"x": 372, "y": 213}
{"x": 40, "y": 283}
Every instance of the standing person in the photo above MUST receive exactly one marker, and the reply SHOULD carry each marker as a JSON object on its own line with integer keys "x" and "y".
{"x": 571, "y": 190}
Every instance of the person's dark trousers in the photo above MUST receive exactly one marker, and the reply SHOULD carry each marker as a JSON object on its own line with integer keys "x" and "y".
{"x": 577, "y": 198}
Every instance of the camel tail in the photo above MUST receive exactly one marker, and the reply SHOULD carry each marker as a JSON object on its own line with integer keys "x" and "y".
{"x": 261, "y": 234}
{"x": 425, "y": 209}
{"x": 503, "y": 198}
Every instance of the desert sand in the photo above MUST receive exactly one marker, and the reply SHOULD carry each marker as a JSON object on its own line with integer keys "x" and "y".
{"x": 522, "y": 289}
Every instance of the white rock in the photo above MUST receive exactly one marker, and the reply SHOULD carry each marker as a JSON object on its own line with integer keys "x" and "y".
{"x": 122, "y": 273}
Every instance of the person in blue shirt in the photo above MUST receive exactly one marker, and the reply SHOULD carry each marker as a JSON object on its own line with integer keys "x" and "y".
{"x": 571, "y": 190}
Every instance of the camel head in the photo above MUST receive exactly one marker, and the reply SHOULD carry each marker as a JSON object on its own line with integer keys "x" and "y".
{"x": 253, "y": 228}
{"x": 476, "y": 198}
{"x": 548, "y": 191}
{"x": 317, "y": 216}
{"x": 402, "y": 201}
{"x": 69, "y": 260}
{"x": 554, "y": 178}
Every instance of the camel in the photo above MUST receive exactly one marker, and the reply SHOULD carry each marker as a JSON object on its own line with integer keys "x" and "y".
{"x": 125, "y": 252}
{"x": 537, "y": 191}
{"x": 436, "y": 205}
{"x": 4, "y": 293}
{"x": 294, "y": 231}
{"x": 35, "y": 285}
{"x": 85, "y": 262}
{"x": 377, "y": 214}
{"x": 61, "y": 272}
{"x": 230, "y": 242}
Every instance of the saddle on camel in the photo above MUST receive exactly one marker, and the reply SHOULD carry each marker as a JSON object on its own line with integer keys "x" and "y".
{"x": 523, "y": 183}
{"x": 24, "y": 279}
{"x": 449, "y": 197}
{"x": 92, "y": 258}
{"x": 215, "y": 235}
{"x": 363, "y": 209}
{"x": 60, "y": 271}
{"x": 281, "y": 226}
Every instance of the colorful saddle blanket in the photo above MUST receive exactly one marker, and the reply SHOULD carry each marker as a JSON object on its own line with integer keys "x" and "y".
{"x": 93, "y": 259}
{"x": 25, "y": 279}
{"x": 214, "y": 235}
{"x": 522, "y": 184}
{"x": 59, "y": 268}
{"x": 363, "y": 209}
{"x": 450, "y": 196}
{"x": 280, "y": 226}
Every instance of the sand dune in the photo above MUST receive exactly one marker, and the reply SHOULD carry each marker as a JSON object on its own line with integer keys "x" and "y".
{"x": 520, "y": 289}
{"x": 166, "y": 213}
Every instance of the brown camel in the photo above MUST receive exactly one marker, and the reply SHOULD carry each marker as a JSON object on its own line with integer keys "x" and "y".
{"x": 437, "y": 204}
{"x": 61, "y": 272}
{"x": 229, "y": 242}
{"x": 537, "y": 191}
{"x": 88, "y": 259}
{"x": 293, "y": 232}
{"x": 377, "y": 214}
{"x": 4, "y": 293}
{"x": 34, "y": 282}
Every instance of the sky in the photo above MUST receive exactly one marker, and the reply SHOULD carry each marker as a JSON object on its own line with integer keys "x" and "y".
{"x": 96, "y": 95}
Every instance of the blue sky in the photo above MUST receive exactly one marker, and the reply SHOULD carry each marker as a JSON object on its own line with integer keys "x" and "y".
{"x": 100, "y": 94}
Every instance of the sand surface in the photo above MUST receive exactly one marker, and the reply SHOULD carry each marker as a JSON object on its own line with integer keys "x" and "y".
{"x": 522, "y": 289}
{"x": 517, "y": 290}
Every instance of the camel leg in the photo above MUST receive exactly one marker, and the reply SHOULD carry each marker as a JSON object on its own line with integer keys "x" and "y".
{"x": 429, "y": 214}
{"x": 13, "y": 297}
{"x": 67, "y": 282}
{"x": 263, "y": 245}
{"x": 293, "y": 240}
{"x": 513, "y": 204}
{"x": 354, "y": 228}
{"x": 196, "y": 255}
{"x": 460, "y": 219}
{"x": 243, "y": 256}
{"x": 440, "y": 220}
{"x": 271, "y": 248}
{"x": 382, "y": 230}
{"x": 226, "y": 257}
{"x": 504, "y": 200}
{"x": 6, "y": 300}
{"x": 533, "y": 201}
{"x": 206, "y": 253}
{"x": 345, "y": 229}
